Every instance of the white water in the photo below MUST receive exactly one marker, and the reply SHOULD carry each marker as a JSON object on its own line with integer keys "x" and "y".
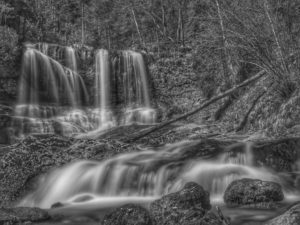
{"x": 103, "y": 90}
{"x": 78, "y": 86}
{"x": 136, "y": 88}
{"x": 49, "y": 94}
{"x": 42, "y": 75}
{"x": 142, "y": 176}
{"x": 53, "y": 97}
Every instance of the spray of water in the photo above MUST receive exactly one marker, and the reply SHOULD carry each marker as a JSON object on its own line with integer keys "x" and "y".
{"x": 144, "y": 175}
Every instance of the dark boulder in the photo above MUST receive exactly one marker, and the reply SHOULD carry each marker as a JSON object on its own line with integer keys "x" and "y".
{"x": 249, "y": 192}
{"x": 188, "y": 206}
{"x": 128, "y": 215}
{"x": 22, "y": 215}
{"x": 57, "y": 205}
{"x": 290, "y": 217}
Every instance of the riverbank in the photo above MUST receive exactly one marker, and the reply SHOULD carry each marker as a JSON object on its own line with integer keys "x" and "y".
{"x": 26, "y": 162}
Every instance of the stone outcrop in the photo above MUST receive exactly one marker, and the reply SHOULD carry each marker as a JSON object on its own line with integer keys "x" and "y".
{"x": 290, "y": 217}
{"x": 249, "y": 192}
{"x": 189, "y": 206}
{"x": 11, "y": 216}
{"x": 279, "y": 155}
{"x": 128, "y": 215}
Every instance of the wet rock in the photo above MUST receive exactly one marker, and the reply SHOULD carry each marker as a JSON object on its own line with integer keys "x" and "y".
{"x": 189, "y": 207}
{"x": 21, "y": 215}
{"x": 249, "y": 192}
{"x": 7, "y": 136}
{"x": 290, "y": 217}
{"x": 8, "y": 88}
{"x": 5, "y": 110}
{"x": 6, "y": 133}
{"x": 57, "y": 205}
{"x": 128, "y": 215}
{"x": 279, "y": 155}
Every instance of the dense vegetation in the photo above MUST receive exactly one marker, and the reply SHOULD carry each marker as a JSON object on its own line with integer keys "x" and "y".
{"x": 225, "y": 93}
{"x": 225, "y": 41}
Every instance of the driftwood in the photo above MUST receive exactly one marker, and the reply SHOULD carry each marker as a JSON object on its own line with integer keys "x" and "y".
{"x": 201, "y": 107}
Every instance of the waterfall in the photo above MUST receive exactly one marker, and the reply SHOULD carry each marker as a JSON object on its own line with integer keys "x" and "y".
{"x": 143, "y": 175}
{"x": 71, "y": 61}
{"x": 77, "y": 83}
{"x": 102, "y": 79}
{"x": 134, "y": 86}
{"x": 48, "y": 93}
{"x": 103, "y": 90}
{"x": 44, "y": 77}
{"x": 136, "y": 90}
{"x": 53, "y": 97}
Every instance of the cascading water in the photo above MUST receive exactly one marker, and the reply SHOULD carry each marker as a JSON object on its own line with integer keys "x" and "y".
{"x": 53, "y": 97}
{"x": 103, "y": 90}
{"x": 136, "y": 90}
{"x": 47, "y": 92}
{"x": 143, "y": 176}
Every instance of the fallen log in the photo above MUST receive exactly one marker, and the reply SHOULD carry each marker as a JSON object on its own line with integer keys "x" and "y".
{"x": 201, "y": 107}
{"x": 245, "y": 119}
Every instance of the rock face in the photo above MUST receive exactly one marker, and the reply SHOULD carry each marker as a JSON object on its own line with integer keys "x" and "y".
{"x": 279, "y": 155}
{"x": 188, "y": 206}
{"x": 20, "y": 215}
{"x": 128, "y": 215}
{"x": 290, "y": 217}
{"x": 247, "y": 192}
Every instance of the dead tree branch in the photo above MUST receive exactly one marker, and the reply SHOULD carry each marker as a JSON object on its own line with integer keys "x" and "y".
{"x": 201, "y": 107}
{"x": 245, "y": 119}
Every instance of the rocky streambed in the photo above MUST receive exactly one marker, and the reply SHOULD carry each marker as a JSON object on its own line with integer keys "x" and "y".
{"x": 191, "y": 194}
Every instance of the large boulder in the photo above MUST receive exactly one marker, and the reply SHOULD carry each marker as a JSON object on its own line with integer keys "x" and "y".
{"x": 250, "y": 192}
{"x": 189, "y": 207}
{"x": 22, "y": 215}
{"x": 128, "y": 215}
{"x": 290, "y": 217}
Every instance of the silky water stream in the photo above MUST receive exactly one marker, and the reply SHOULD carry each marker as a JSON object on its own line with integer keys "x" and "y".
{"x": 53, "y": 97}
{"x": 141, "y": 177}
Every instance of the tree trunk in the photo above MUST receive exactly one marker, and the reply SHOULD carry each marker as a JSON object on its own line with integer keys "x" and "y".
{"x": 266, "y": 7}
{"x": 82, "y": 24}
{"x": 137, "y": 28}
{"x": 180, "y": 34}
{"x": 163, "y": 18}
{"x": 224, "y": 55}
{"x": 201, "y": 107}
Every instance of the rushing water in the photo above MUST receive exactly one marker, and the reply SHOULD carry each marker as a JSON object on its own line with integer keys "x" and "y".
{"x": 103, "y": 90}
{"x": 144, "y": 176}
{"x": 136, "y": 88}
{"x": 53, "y": 97}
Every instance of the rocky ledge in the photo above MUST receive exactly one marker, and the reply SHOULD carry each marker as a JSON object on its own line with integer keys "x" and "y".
{"x": 290, "y": 217}
{"x": 189, "y": 206}
{"x": 22, "y": 215}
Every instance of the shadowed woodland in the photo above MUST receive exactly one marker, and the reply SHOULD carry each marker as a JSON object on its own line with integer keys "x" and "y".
{"x": 150, "y": 112}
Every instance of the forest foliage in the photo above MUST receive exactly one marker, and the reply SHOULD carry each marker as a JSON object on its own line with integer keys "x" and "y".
{"x": 229, "y": 39}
